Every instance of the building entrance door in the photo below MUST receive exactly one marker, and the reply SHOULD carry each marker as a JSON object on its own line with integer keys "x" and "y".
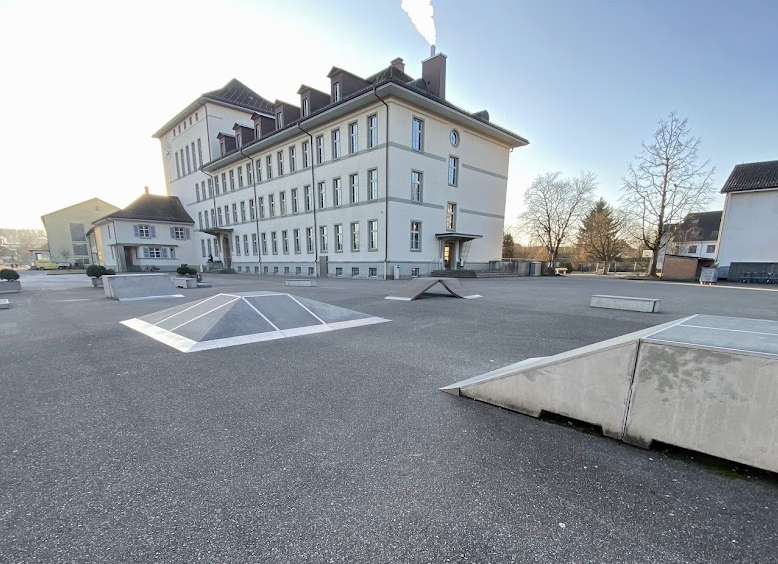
{"x": 448, "y": 251}
{"x": 127, "y": 258}
{"x": 227, "y": 252}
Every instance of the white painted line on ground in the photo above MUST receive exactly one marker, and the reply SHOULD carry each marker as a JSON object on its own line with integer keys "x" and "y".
{"x": 74, "y": 300}
{"x": 733, "y": 330}
{"x": 357, "y": 322}
{"x": 163, "y": 336}
{"x": 204, "y": 314}
{"x": 188, "y": 308}
{"x": 262, "y": 315}
{"x": 150, "y": 298}
{"x": 306, "y": 309}
{"x": 398, "y": 299}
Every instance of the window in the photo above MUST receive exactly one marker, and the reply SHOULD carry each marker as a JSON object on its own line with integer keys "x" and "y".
{"x": 336, "y": 144}
{"x": 271, "y": 205}
{"x": 216, "y": 184}
{"x": 259, "y": 170}
{"x": 266, "y": 269}
{"x": 254, "y": 244}
{"x": 197, "y": 192}
{"x": 294, "y": 200}
{"x": 292, "y": 155}
{"x": 202, "y": 244}
{"x": 372, "y": 272}
{"x": 296, "y": 237}
{"x": 188, "y": 162}
{"x": 249, "y": 174}
{"x": 144, "y": 231}
{"x": 275, "y": 270}
{"x": 372, "y": 184}
{"x": 415, "y": 272}
{"x": 280, "y": 158}
{"x": 354, "y": 271}
{"x": 200, "y": 151}
{"x": 298, "y": 270}
{"x": 692, "y": 248}
{"x": 261, "y": 205}
{"x": 417, "y": 137}
{"x": 178, "y": 233}
{"x": 338, "y": 238}
{"x": 416, "y": 235}
{"x": 239, "y": 139}
{"x": 451, "y": 212}
{"x": 237, "y": 245}
{"x": 320, "y": 149}
{"x": 323, "y": 238}
{"x": 279, "y": 120}
{"x": 210, "y": 187}
{"x": 337, "y": 192}
{"x": 235, "y": 213}
{"x": 372, "y": 131}
{"x": 224, "y": 182}
{"x": 269, "y": 163}
{"x": 246, "y": 245}
{"x": 252, "y": 213}
{"x": 308, "y": 202}
{"x": 338, "y": 271}
{"x": 226, "y": 215}
{"x": 282, "y": 203}
{"x": 285, "y": 241}
{"x": 178, "y": 167}
{"x": 353, "y": 138}
{"x": 336, "y": 91}
{"x": 286, "y": 270}
{"x": 243, "y": 211}
{"x": 152, "y": 252}
{"x": 240, "y": 177}
{"x": 306, "y": 154}
{"x": 416, "y": 185}
{"x": 264, "y": 244}
{"x": 213, "y": 219}
{"x": 710, "y": 249}
{"x": 256, "y": 270}
{"x": 194, "y": 158}
{"x": 453, "y": 171}
{"x": 274, "y": 242}
{"x": 209, "y": 248}
{"x": 322, "y": 196}
{"x": 353, "y": 181}
{"x": 199, "y": 220}
{"x": 232, "y": 179}
{"x": 372, "y": 228}
{"x": 219, "y": 212}
{"x": 309, "y": 239}
{"x": 306, "y": 107}
{"x": 355, "y": 236}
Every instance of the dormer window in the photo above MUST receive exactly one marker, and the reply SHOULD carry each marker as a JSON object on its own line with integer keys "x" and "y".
{"x": 279, "y": 120}
{"x": 306, "y": 108}
{"x": 222, "y": 147}
{"x": 239, "y": 138}
{"x": 336, "y": 91}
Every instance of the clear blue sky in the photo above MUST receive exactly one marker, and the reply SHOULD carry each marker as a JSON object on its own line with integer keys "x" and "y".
{"x": 583, "y": 81}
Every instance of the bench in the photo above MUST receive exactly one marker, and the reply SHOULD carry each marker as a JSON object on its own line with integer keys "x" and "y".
{"x": 300, "y": 282}
{"x": 5, "y": 304}
{"x": 188, "y": 283}
{"x": 626, "y": 303}
{"x": 561, "y": 271}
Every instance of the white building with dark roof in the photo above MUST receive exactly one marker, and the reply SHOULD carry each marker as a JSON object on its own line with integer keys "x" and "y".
{"x": 380, "y": 177}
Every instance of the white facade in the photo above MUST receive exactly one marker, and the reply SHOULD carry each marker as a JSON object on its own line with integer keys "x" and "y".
{"x": 382, "y": 204}
{"x": 749, "y": 228}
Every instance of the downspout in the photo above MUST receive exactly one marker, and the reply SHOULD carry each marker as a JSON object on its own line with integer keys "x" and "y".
{"x": 314, "y": 198}
{"x": 256, "y": 209}
{"x": 386, "y": 188}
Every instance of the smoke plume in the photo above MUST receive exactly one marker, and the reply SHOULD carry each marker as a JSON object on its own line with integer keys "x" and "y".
{"x": 421, "y": 14}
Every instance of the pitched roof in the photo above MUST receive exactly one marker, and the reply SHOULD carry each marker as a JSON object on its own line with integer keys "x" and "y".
{"x": 151, "y": 207}
{"x": 752, "y": 176}
{"x": 699, "y": 226}
{"x": 389, "y": 72}
{"x": 238, "y": 94}
{"x": 89, "y": 201}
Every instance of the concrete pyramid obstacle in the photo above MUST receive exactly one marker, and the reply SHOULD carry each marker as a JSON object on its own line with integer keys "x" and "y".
{"x": 417, "y": 286}
{"x": 704, "y": 383}
{"x": 226, "y": 320}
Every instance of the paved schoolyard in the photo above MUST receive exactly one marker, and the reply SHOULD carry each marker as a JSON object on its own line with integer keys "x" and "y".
{"x": 337, "y": 447}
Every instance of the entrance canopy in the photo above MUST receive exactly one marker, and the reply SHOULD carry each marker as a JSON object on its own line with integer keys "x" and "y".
{"x": 454, "y": 236}
{"x": 216, "y": 231}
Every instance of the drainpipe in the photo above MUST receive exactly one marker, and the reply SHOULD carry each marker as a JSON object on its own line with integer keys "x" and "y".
{"x": 386, "y": 188}
{"x": 313, "y": 195}
{"x": 256, "y": 209}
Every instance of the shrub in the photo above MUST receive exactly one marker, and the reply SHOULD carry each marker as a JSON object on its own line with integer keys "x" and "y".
{"x": 8, "y": 274}
{"x": 186, "y": 270}
{"x": 95, "y": 271}
{"x": 568, "y": 265}
{"x": 109, "y": 272}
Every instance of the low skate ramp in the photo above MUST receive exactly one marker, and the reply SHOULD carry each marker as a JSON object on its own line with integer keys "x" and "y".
{"x": 128, "y": 287}
{"x": 234, "y": 319}
{"x": 417, "y": 286}
{"x": 704, "y": 383}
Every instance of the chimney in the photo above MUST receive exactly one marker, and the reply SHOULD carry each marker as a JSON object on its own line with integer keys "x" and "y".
{"x": 398, "y": 64}
{"x": 433, "y": 72}
{"x": 146, "y": 189}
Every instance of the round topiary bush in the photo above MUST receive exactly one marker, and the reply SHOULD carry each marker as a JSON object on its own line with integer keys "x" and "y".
{"x": 8, "y": 274}
{"x": 95, "y": 271}
{"x": 109, "y": 272}
{"x": 186, "y": 270}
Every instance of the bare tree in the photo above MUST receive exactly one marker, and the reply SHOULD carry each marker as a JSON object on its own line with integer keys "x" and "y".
{"x": 65, "y": 253}
{"x": 554, "y": 206}
{"x": 665, "y": 182}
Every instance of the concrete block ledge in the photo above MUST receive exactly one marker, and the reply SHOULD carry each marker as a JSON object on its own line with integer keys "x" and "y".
{"x": 300, "y": 282}
{"x": 627, "y": 303}
{"x": 5, "y": 304}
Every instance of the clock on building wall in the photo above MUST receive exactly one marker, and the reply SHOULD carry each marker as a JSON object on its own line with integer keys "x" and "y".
{"x": 454, "y": 138}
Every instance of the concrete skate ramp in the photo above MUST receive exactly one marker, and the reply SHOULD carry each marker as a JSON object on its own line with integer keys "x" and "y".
{"x": 704, "y": 383}
{"x": 128, "y": 287}
{"x": 234, "y": 319}
{"x": 417, "y": 286}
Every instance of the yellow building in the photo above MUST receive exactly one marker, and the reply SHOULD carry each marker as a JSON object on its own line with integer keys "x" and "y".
{"x": 66, "y": 230}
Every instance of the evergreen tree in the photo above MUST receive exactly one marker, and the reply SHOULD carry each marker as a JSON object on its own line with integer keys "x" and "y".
{"x": 508, "y": 246}
{"x": 599, "y": 235}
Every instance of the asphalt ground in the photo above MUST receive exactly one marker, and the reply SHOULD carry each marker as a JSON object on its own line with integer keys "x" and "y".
{"x": 338, "y": 447}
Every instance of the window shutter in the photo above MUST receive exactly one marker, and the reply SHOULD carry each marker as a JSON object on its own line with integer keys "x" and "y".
{"x": 153, "y": 231}
{"x": 145, "y": 252}
{"x": 172, "y": 232}
{"x": 172, "y": 252}
{"x": 136, "y": 230}
{"x": 188, "y": 233}
{"x": 164, "y": 252}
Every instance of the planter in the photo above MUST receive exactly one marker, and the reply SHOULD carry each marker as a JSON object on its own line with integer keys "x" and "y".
{"x": 9, "y": 286}
{"x": 97, "y": 282}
